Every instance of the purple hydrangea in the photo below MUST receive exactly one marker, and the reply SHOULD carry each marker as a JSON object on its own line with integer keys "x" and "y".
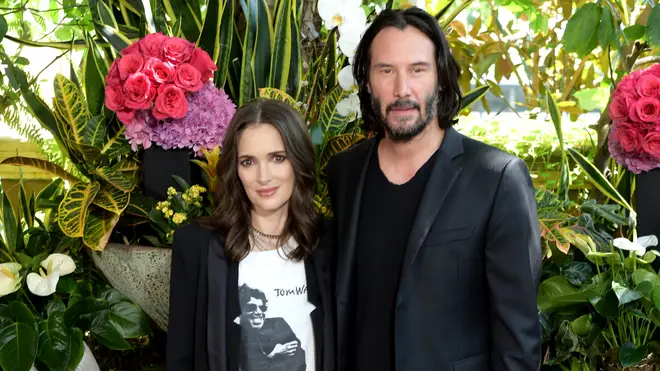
{"x": 635, "y": 162}
{"x": 209, "y": 112}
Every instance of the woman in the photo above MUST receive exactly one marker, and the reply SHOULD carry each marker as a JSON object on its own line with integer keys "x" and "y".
{"x": 250, "y": 287}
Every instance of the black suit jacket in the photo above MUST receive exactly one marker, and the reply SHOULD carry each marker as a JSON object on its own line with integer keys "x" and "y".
{"x": 204, "y": 302}
{"x": 467, "y": 291}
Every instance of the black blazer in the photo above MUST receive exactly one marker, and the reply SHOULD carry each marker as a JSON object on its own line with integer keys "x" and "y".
{"x": 467, "y": 290}
{"x": 204, "y": 301}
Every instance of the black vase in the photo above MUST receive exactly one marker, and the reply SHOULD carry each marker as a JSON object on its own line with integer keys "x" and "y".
{"x": 159, "y": 166}
{"x": 648, "y": 203}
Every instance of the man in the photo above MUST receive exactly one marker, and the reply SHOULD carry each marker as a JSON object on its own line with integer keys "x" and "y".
{"x": 438, "y": 247}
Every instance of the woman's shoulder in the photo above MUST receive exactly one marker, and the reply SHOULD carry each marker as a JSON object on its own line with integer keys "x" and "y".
{"x": 194, "y": 236}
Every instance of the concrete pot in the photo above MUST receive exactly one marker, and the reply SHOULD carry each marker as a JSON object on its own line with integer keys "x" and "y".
{"x": 142, "y": 274}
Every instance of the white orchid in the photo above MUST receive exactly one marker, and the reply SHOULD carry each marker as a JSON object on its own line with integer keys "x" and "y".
{"x": 346, "y": 79}
{"x": 349, "y": 106}
{"x": 639, "y": 246}
{"x": 349, "y": 38}
{"x": 10, "y": 280}
{"x": 338, "y": 13}
{"x": 45, "y": 283}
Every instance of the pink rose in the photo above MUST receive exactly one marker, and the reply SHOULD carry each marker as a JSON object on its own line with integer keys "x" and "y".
{"x": 130, "y": 64}
{"x": 159, "y": 71}
{"x": 203, "y": 62}
{"x": 619, "y": 107}
{"x": 171, "y": 102}
{"x": 134, "y": 48}
{"x": 152, "y": 45}
{"x": 113, "y": 73}
{"x": 139, "y": 91}
{"x": 655, "y": 70}
{"x": 648, "y": 109}
{"x": 126, "y": 116}
{"x": 627, "y": 85}
{"x": 628, "y": 137}
{"x": 651, "y": 144}
{"x": 114, "y": 98}
{"x": 648, "y": 85}
{"x": 177, "y": 50}
{"x": 188, "y": 77}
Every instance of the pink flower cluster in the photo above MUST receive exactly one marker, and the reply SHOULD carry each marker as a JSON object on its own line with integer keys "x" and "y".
{"x": 155, "y": 74}
{"x": 160, "y": 89}
{"x": 634, "y": 139}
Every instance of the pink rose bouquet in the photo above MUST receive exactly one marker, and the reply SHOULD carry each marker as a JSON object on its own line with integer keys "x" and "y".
{"x": 160, "y": 88}
{"x": 634, "y": 138}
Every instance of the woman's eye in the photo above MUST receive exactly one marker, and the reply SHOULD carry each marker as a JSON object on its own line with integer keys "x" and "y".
{"x": 246, "y": 162}
{"x": 279, "y": 158}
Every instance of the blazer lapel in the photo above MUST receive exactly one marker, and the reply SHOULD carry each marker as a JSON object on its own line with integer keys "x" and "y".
{"x": 216, "y": 272}
{"x": 441, "y": 179}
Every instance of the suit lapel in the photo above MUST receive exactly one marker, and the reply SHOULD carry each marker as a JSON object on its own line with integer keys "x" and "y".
{"x": 441, "y": 179}
{"x": 217, "y": 276}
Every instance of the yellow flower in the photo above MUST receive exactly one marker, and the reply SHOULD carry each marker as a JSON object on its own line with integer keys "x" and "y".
{"x": 179, "y": 218}
{"x": 171, "y": 191}
{"x": 163, "y": 205}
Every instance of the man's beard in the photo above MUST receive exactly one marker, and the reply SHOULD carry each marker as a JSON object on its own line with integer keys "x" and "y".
{"x": 404, "y": 133}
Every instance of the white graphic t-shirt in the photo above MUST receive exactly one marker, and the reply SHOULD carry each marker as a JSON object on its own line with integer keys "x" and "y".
{"x": 275, "y": 319}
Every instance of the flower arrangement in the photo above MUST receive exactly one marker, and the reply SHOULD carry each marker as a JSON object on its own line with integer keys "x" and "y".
{"x": 179, "y": 208}
{"x": 634, "y": 138}
{"x": 161, "y": 89}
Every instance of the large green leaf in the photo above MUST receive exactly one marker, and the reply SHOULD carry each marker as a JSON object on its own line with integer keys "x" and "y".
{"x": 58, "y": 346}
{"x": 556, "y": 293}
{"x": 473, "y": 96}
{"x": 41, "y": 165}
{"x": 129, "y": 319}
{"x": 227, "y": 42}
{"x": 94, "y": 313}
{"x": 70, "y": 105}
{"x": 73, "y": 210}
{"x": 112, "y": 198}
{"x": 113, "y": 36}
{"x": 581, "y": 34}
{"x": 18, "y": 337}
{"x": 115, "y": 178}
{"x": 598, "y": 179}
{"x": 606, "y": 32}
{"x": 329, "y": 119}
{"x": 188, "y": 14}
{"x": 653, "y": 27}
{"x": 93, "y": 74}
{"x": 115, "y": 144}
{"x": 209, "y": 39}
{"x": 283, "y": 50}
{"x": 98, "y": 227}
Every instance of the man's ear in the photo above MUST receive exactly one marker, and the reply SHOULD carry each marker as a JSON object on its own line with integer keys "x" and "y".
{"x": 369, "y": 88}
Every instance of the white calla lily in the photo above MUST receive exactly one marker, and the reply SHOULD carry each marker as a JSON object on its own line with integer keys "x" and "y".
{"x": 638, "y": 247}
{"x": 346, "y": 80}
{"x": 45, "y": 282}
{"x": 10, "y": 280}
{"x": 349, "y": 106}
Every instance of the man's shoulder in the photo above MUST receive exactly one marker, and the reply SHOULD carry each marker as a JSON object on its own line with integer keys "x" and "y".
{"x": 486, "y": 156}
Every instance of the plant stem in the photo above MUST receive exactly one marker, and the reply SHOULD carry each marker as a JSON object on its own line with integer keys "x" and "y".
{"x": 34, "y": 308}
{"x": 616, "y": 343}
{"x": 8, "y": 255}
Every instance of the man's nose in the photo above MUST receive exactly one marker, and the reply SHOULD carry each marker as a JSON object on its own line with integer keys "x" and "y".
{"x": 401, "y": 86}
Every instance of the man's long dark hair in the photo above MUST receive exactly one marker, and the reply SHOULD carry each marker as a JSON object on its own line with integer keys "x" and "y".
{"x": 233, "y": 213}
{"x": 449, "y": 92}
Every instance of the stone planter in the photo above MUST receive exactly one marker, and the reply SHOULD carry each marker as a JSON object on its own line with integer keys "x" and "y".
{"x": 87, "y": 363}
{"x": 140, "y": 273}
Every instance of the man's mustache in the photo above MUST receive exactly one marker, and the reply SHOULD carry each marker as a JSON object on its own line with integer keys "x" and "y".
{"x": 401, "y": 104}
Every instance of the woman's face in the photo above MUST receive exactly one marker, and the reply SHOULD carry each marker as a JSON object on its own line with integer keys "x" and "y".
{"x": 264, "y": 169}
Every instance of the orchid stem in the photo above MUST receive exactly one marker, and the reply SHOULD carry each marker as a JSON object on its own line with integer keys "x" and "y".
{"x": 34, "y": 308}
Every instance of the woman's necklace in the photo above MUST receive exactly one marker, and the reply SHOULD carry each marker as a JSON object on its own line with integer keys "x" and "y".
{"x": 270, "y": 240}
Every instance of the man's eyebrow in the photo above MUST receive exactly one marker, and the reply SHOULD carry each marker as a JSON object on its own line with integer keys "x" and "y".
{"x": 414, "y": 64}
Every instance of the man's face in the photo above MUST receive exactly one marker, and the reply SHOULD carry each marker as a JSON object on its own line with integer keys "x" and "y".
{"x": 255, "y": 312}
{"x": 403, "y": 81}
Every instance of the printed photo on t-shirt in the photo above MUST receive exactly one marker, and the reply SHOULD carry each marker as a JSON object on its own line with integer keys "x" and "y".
{"x": 268, "y": 342}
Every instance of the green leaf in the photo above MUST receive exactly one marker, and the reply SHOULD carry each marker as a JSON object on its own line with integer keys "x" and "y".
{"x": 653, "y": 27}
{"x": 104, "y": 330}
{"x": 70, "y": 105}
{"x": 577, "y": 272}
{"x": 624, "y": 294}
{"x": 555, "y": 115}
{"x": 226, "y": 42}
{"x": 10, "y": 225}
{"x": 593, "y": 98}
{"x": 129, "y": 320}
{"x": 148, "y": 16}
{"x": 634, "y": 32}
{"x": 606, "y": 32}
{"x": 581, "y": 34}
{"x": 188, "y": 14}
{"x": 3, "y": 27}
{"x": 98, "y": 227}
{"x": 598, "y": 179}
{"x": 256, "y": 49}
{"x": 54, "y": 342}
{"x": 41, "y": 165}
{"x": 73, "y": 209}
{"x": 22, "y": 61}
{"x": 93, "y": 74}
{"x": 630, "y": 356}
{"x": 112, "y": 198}
{"x": 18, "y": 337}
{"x": 556, "y": 292}
{"x": 115, "y": 178}
{"x": 77, "y": 348}
{"x": 285, "y": 68}
{"x": 473, "y": 95}
{"x": 113, "y": 36}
